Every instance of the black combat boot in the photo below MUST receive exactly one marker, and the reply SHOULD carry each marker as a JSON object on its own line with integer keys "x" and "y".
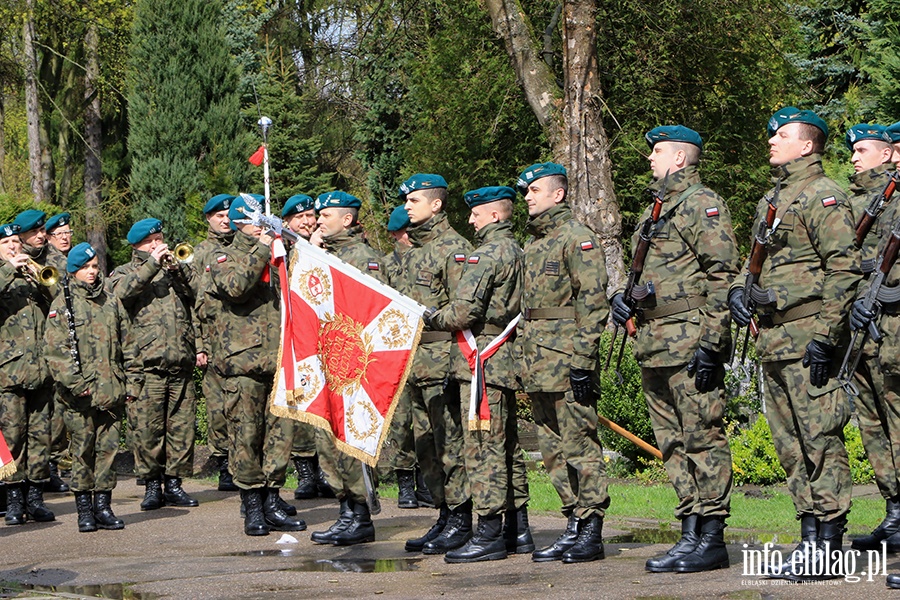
{"x": 455, "y": 534}
{"x": 487, "y": 543}
{"x": 85, "y": 507}
{"x": 153, "y": 495}
{"x": 517, "y": 532}
{"x": 175, "y": 494}
{"x": 423, "y": 495}
{"x": 254, "y": 521}
{"x": 306, "y": 479}
{"x": 886, "y": 530}
{"x": 56, "y": 485}
{"x": 589, "y": 544}
{"x": 289, "y": 509}
{"x": 893, "y": 581}
{"x": 417, "y": 544}
{"x": 809, "y": 536}
{"x": 103, "y": 512}
{"x": 343, "y": 521}
{"x": 322, "y": 486}
{"x": 406, "y": 489}
{"x": 276, "y": 518}
{"x": 15, "y": 503}
{"x": 556, "y": 550}
{"x": 359, "y": 530}
{"x": 830, "y": 540}
{"x": 710, "y": 553}
{"x": 34, "y": 503}
{"x": 226, "y": 481}
{"x": 690, "y": 537}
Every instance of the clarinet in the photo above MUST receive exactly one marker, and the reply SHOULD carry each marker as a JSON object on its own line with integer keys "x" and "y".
{"x": 70, "y": 319}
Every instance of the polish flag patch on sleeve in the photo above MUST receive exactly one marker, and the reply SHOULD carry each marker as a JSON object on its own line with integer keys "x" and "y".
{"x": 712, "y": 211}
{"x": 222, "y": 259}
{"x": 373, "y": 266}
{"x": 589, "y": 245}
{"x": 829, "y": 201}
{"x": 51, "y": 314}
{"x": 459, "y": 258}
{"x": 473, "y": 260}
{"x": 207, "y": 268}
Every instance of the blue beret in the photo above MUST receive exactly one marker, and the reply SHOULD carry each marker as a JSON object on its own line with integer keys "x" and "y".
{"x": 142, "y": 229}
{"x": 217, "y": 203}
{"x": 235, "y": 214}
{"x": 30, "y": 219}
{"x": 673, "y": 133}
{"x": 538, "y": 171}
{"x": 337, "y": 199}
{"x": 792, "y": 114}
{"x": 892, "y": 133}
{"x": 57, "y": 221}
{"x": 8, "y": 230}
{"x": 861, "y": 132}
{"x": 297, "y": 204}
{"x": 421, "y": 181}
{"x": 489, "y": 194}
{"x": 79, "y": 256}
{"x": 399, "y": 219}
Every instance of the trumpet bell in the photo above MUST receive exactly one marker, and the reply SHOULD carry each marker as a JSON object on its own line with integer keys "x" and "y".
{"x": 44, "y": 275}
{"x": 183, "y": 252}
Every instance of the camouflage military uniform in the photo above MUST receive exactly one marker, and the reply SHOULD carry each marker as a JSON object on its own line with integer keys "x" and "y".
{"x": 691, "y": 262}
{"x": 159, "y": 302}
{"x": 486, "y": 299}
{"x": 429, "y": 270}
{"x": 565, "y": 311}
{"x": 813, "y": 270}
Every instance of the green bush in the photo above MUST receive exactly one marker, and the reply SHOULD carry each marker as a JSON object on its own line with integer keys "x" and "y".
{"x": 201, "y": 425}
{"x": 860, "y": 468}
{"x": 753, "y": 454}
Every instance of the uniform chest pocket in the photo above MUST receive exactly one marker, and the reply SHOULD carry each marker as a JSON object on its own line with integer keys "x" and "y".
{"x": 663, "y": 230}
{"x": 425, "y": 278}
{"x": 551, "y": 268}
{"x": 788, "y": 222}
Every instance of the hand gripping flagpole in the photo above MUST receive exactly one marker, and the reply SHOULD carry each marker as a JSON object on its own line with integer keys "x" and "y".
{"x": 264, "y": 124}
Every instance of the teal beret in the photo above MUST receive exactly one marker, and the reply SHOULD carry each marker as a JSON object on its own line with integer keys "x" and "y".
{"x": 235, "y": 214}
{"x": 57, "y": 221}
{"x": 79, "y": 256}
{"x": 673, "y": 133}
{"x": 792, "y": 114}
{"x": 8, "y": 230}
{"x": 399, "y": 219}
{"x": 861, "y": 132}
{"x": 337, "y": 199}
{"x": 489, "y": 194}
{"x": 217, "y": 203}
{"x": 142, "y": 229}
{"x": 297, "y": 204}
{"x": 892, "y": 133}
{"x": 538, "y": 171}
{"x": 421, "y": 181}
{"x": 30, "y": 219}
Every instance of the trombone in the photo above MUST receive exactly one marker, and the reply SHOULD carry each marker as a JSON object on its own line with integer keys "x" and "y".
{"x": 44, "y": 275}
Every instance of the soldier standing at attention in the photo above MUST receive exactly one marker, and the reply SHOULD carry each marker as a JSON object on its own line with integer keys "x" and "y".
{"x": 565, "y": 309}
{"x": 87, "y": 356}
{"x": 158, "y": 293}
{"x": 59, "y": 238}
{"x": 25, "y": 393}
{"x": 486, "y": 301}
{"x": 812, "y": 270}
{"x": 429, "y": 271}
{"x": 683, "y": 340}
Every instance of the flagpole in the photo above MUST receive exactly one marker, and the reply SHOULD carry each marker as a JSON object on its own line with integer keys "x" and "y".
{"x": 264, "y": 124}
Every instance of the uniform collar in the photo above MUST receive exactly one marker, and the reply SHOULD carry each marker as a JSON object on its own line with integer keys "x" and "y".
{"x": 88, "y": 291}
{"x": 549, "y": 219}
{"x": 421, "y": 234}
{"x": 867, "y": 181}
{"x": 225, "y": 238}
{"x": 34, "y": 252}
{"x": 494, "y": 231}
{"x": 798, "y": 169}
{"x": 678, "y": 181}
{"x": 348, "y": 237}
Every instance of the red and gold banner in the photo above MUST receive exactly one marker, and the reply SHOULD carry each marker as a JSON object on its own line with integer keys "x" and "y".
{"x": 7, "y": 466}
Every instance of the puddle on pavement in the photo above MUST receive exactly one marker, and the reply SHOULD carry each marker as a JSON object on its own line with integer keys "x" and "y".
{"x": 116, "y": 591}
{"x": 340, "y": 565}
{"x": 670, "y": 536}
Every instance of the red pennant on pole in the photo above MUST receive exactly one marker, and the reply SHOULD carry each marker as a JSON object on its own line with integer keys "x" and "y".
{"x": 257, "y": 159}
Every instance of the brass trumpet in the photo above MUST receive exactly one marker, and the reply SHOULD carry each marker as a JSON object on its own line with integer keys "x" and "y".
{"x": 47, "y": 276}
{"x": 182, "y": 253}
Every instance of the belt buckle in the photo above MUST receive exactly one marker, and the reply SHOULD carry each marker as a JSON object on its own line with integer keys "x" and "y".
{"x": 527, "y": 314}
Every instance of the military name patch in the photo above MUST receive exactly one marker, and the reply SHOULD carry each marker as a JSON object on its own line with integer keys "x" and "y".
{"x": 222, "y": 259}
{"x": 424, "y": 278}
{"x": 51, "y": 314}
{"x": 473, "y": 260}
{"x": 712, "y": 212}
{"x": 459, "y": 258}
{"x": 588, "y": 245}
{"x": 551, "y": 267}
{"x": 373, "y": 266}
{"x": 829, "y": 201}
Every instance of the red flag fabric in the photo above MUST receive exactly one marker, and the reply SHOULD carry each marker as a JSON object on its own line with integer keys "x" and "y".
{"x": 7, "y": 466}
{"x": 347, "y": 346}
{"x": 258, "y": 157}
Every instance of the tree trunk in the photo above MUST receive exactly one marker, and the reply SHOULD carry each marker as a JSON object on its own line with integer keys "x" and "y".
{"x": 32, "y": 106}
{"x": 2, "y": 138}
{"x": 572, "y": 117}
{"x": 95, "y": 225}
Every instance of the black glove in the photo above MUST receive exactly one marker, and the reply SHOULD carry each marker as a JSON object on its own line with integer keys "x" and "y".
{"x": 818, "y": 359}
{"x": 429, "y": 313}
{"x": 739, "y": 312}
{"x": 860, "y": 316}
{"x": 582, "y": 388}
{"x": 704, "y": 363}
{"x": 621, "y": 312}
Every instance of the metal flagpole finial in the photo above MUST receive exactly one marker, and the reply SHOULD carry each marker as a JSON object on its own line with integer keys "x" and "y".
{"x": 264, "y": 124}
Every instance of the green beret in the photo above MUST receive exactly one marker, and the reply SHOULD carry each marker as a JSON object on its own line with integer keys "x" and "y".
{"x": 892, "y": 133}
{"x": 217, "y": 203}
{"x": 79, "y": 256}
{"x": 30, "y": 219}
{"x": 537, "y": 171}
{"x": 8, "y": 230}
{"x": 57, "y": 221}
{"x": 234, "y": 212}
{"x": 421, "y": 181}
{"x": 143, "y": 229}
{"x": 861, "y": 132}
{"x": 792, "y": 114}
{"x": 489, "y": 194}
{"x": 337, "y": 199}
{"x": 673, "y": 133}
{"x": 297, "y": 204}
{"x": 399, "y": 219}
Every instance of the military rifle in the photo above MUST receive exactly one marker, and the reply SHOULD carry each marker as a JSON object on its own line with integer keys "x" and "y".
{"x": 875, "y": 208}
{"x": 70, "y": 321}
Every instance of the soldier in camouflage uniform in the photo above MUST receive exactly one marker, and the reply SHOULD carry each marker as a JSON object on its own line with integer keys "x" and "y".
{"x": 158, "y": 292}
{"x": 812, "y": 269}
{"x": 340, "y": 234}
{"x": 94, "y": 389}
{"x": 245, "y": 348}
{"x": 428, "y": 272}
{"x": 565, "y": 309}
{"x": 879, "y": 423}
{"x": 485, "y": 302}
{"x": 59, "y": 239}
{"x": 683, "y": 340}
{"x": 24, "y": 383}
